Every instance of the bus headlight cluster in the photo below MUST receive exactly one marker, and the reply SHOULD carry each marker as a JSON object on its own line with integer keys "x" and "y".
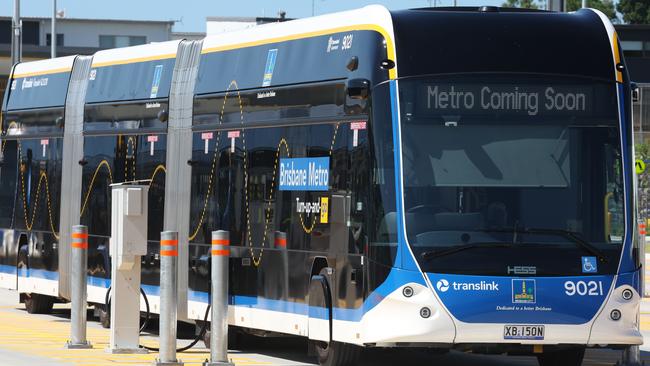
{"x": 615, "y": 314}
{"x": 407, "y": 291}
{"x": 627, "y": 294}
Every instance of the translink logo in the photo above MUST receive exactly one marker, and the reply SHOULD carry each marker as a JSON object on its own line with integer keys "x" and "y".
{"x": 443, "y": 286}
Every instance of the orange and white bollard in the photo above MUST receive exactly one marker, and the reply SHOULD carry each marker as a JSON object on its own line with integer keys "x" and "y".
{"x": 168, "y": 298}
{"x": 219, "y": 322}
{"x": 79, "y": 272}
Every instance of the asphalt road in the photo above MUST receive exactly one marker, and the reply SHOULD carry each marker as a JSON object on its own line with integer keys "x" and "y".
{"x": 37, "y": 340}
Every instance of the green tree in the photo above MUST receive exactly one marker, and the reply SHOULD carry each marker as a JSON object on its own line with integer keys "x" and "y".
{"x": 635, "y": 11}
{"x": 606, "y": 6}
{"x": 528, "y": 4}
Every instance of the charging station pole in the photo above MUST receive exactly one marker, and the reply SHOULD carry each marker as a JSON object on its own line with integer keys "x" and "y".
{"x": 128, "y": 243}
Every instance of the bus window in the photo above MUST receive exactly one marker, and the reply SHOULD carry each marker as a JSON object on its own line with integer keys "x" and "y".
{"x": 614, "y": 211}
{"x": 360, "y": 170}
{"x": 39, "y": 182}
{"x": 381, "y": 211}
{"x": 8, "y": 170}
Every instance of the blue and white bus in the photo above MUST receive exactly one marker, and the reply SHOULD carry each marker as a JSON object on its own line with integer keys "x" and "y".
{"x": 444, "y": 178}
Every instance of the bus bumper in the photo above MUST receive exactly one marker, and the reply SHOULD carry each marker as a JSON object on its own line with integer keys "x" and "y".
{"x": 403, "y": 321}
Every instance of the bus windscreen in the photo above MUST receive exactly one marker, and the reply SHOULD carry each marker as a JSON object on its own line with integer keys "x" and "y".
{"x": 512, "y": 171}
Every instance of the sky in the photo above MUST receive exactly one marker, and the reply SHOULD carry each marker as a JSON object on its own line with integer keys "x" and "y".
{"x": 191, "y": 14}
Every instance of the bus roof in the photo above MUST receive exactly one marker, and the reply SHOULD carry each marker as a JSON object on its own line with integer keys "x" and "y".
{"x": 372, "y": 17}
{"x": 132, "y": 73}
{"x": 38, "y": 84}
{"x": 134, "y": 54}
{"x": 43, "y": 67}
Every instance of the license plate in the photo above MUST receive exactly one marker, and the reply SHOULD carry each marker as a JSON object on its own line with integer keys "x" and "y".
{"x": 535, "y": 332}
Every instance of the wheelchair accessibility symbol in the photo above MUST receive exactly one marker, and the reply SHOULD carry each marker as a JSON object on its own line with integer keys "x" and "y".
{"x": 589, "y": 265}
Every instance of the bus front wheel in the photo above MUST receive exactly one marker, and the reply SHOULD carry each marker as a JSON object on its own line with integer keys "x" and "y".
{"x": 337, "y": 353}
{"x": 330, "y": 353}
{"x": 568, "y": 357}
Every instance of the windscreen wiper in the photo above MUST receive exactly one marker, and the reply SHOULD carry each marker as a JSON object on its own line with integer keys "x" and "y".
{"x": 567, "y": 234}
{"x": 571, "y": 236}
{"x": 441, "y": 253}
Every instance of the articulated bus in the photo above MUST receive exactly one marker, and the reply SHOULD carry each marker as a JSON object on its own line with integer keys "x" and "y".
{"x": 443, "y": 178}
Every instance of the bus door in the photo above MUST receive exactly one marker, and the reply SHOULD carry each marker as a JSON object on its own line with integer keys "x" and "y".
{"x": 123, "y": 142}
{"x": 349, "y": 181}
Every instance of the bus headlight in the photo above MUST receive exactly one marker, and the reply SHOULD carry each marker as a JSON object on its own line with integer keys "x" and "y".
{"x": 615, "y": 314}
{"x": 627, "y": 294}
{"x": 407, "y": 291}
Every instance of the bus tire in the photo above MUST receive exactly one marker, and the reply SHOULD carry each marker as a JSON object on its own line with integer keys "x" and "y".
{"x": 235, "y": 339}
{"x": 337, "y": 354}
{"x": 38, "y": 304}
{"x": 104, "y": 315}
{"x": 206, "y": 339}
{"x": 567, "y": 357}
{"x": 330, "y": 353}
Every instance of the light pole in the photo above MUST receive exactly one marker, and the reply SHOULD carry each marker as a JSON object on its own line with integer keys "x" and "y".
{"x": 16, "y": 28}
{"x": 53, "y": 35}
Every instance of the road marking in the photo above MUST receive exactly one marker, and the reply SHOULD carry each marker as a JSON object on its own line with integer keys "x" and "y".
{"x": 45, "y": 336}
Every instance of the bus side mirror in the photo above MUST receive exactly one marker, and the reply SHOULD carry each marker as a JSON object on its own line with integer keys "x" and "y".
{"x": 358, "y": 88}
{"x": 163, "y": 116}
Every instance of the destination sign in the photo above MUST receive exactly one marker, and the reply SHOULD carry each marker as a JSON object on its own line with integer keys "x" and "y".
{"x": 531, "y": 100}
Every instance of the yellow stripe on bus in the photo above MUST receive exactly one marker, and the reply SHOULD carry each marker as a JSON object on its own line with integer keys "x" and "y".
{"x": 134, "y": 60}
{"x": 617, "y": 58}
{"x": 390, "y": 48}
{"x": 44, "y": 72}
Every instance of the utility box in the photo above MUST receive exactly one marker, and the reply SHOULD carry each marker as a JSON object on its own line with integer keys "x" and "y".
{"x": 128, "y": 244}
{"x": 129, "y": 224}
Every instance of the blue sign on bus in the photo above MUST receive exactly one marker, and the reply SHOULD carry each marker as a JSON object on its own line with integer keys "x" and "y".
{"x": 270, "y": 66}
{"x": 304, "y": 174}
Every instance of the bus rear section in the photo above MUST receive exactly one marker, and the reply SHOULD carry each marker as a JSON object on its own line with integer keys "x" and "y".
{"x": 30, "y": 174}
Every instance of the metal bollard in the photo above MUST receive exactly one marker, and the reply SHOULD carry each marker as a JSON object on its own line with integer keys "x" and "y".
{"x": 280, "y": 240}
{"x": 168, "y": 298}
{"x": 79, "y": 244}
{"x": 631, "y": 357}
{"x": 219, "y": 312}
